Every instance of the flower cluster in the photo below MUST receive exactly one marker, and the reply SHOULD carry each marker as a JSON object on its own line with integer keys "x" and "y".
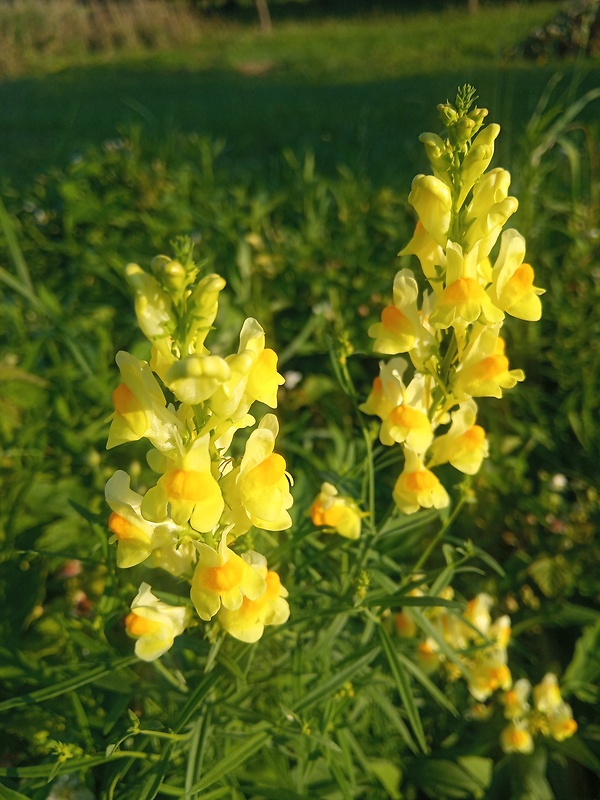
{"x": 204, "y": 498}
{"x": 550, "y": 715}
{"x": 452, "y": 336}
{"x": 479, "y": 645}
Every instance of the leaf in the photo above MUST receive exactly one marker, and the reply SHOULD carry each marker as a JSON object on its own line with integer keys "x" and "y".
{"x": 329, "y": 686}
{"x": 10, "y": 794}
{"x": 584, "y": 670}
{"x": 232, "y": 760}
{"x": 404, "y": 689}
{"x": 468, "y": 777}
{"x": 68, "y": 685}
{"x": 552, "y": 575}
{"x": 388, "y": 775}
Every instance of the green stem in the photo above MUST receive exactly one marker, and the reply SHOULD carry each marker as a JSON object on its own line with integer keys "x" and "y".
{"x": 424, "y": 557}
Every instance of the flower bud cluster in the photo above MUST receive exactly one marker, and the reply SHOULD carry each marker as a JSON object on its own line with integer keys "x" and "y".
{"x": 203, "y": 498}
{"x": 451, "y": 331}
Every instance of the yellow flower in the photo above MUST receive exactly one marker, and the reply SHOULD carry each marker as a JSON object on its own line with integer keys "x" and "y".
{"x": 515, "y": 700}
{"x": 464, "y": 445}
{"x": 477, "y": 160}
{"x": 188, "y": 489}
{"x": 136, "y": 536}
{"x": 484, "y": 369}
{"x": 247, "y": 623}
{"x": 464, "y": 299}
{"x": 418, "y": 487}
{"x": 140, "y": 408}
{"x": 512, "y": 287}
{"x": 153, "y": 308}
{"x": 222, "y": 578}
{"x": 488, "y": 673}
{"x": 561, "y": 724}
{"x": 399, "y": 326}
{"x": 338, "y": 513}
{"x": 408, "y": 421}
{"x": 263, "y": 378}
{"x": 546, "y": 695}
{"x": 432, "y": 200}
{"x": 377, "y": 403}
{"x": 262, "y": 481}
{"x": 154, "y": 624}
{"x": 516, "y": 738}
{"x": 431, "y": 256}
{"x": 196, "y": 378}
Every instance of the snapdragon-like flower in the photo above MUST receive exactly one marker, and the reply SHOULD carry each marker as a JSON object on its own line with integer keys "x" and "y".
{"x": 247, "y": 623}
{"x": 418, "y": 487}
{"x": 336, "y": 513}
{"x": 465, "y": 445}
{"x": 154, "y": 624}
{"x": 140, "y": 408}
{"x": 222, "y": 578}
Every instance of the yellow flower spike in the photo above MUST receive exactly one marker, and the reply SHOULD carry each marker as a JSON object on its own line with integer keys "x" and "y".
{"x": 153, "y": 308}
{"x": 465, "y": 445}
{"x": 222, "y": 578}
{"x": 464, "y": 299}
{"x": 338, "y": 513}
{"x": 432, "y": 200}
{"x": 431, "y": 256}
{"x": 263, "y": 482}
{"x": 247, "y": 623}
{"x": 196, "y": 378}
{"x": 154, "y": 624}
{"x": 484, "y": 369}
{"x": 517, "y": 738}
{"x": 512, "y": 287}
{"x": 515, "y": 700}
{"x": 418, "y": 487}
{"x": 477, "y": 160}
{"x": 140, "y": 408}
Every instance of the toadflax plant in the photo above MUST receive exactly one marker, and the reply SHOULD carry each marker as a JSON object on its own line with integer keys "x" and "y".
{"x": 204, "y": 498}
{"x": 452, "y": 331}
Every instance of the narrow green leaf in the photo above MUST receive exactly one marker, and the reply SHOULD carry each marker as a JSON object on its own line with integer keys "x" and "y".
{"x": 329, "y": 686}
{"x": 65, "y": 686}
{"x": 71, "y": 765}
{"x": 430, "y": 687}
{"x": 10, "y": 794}
{"x": 404, "y": 689}
{"x": 393, "y": 716}
{"x": 232, "y": 760}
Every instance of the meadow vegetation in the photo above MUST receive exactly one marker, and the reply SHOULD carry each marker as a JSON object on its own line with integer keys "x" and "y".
{"x": 287, "y": 160}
